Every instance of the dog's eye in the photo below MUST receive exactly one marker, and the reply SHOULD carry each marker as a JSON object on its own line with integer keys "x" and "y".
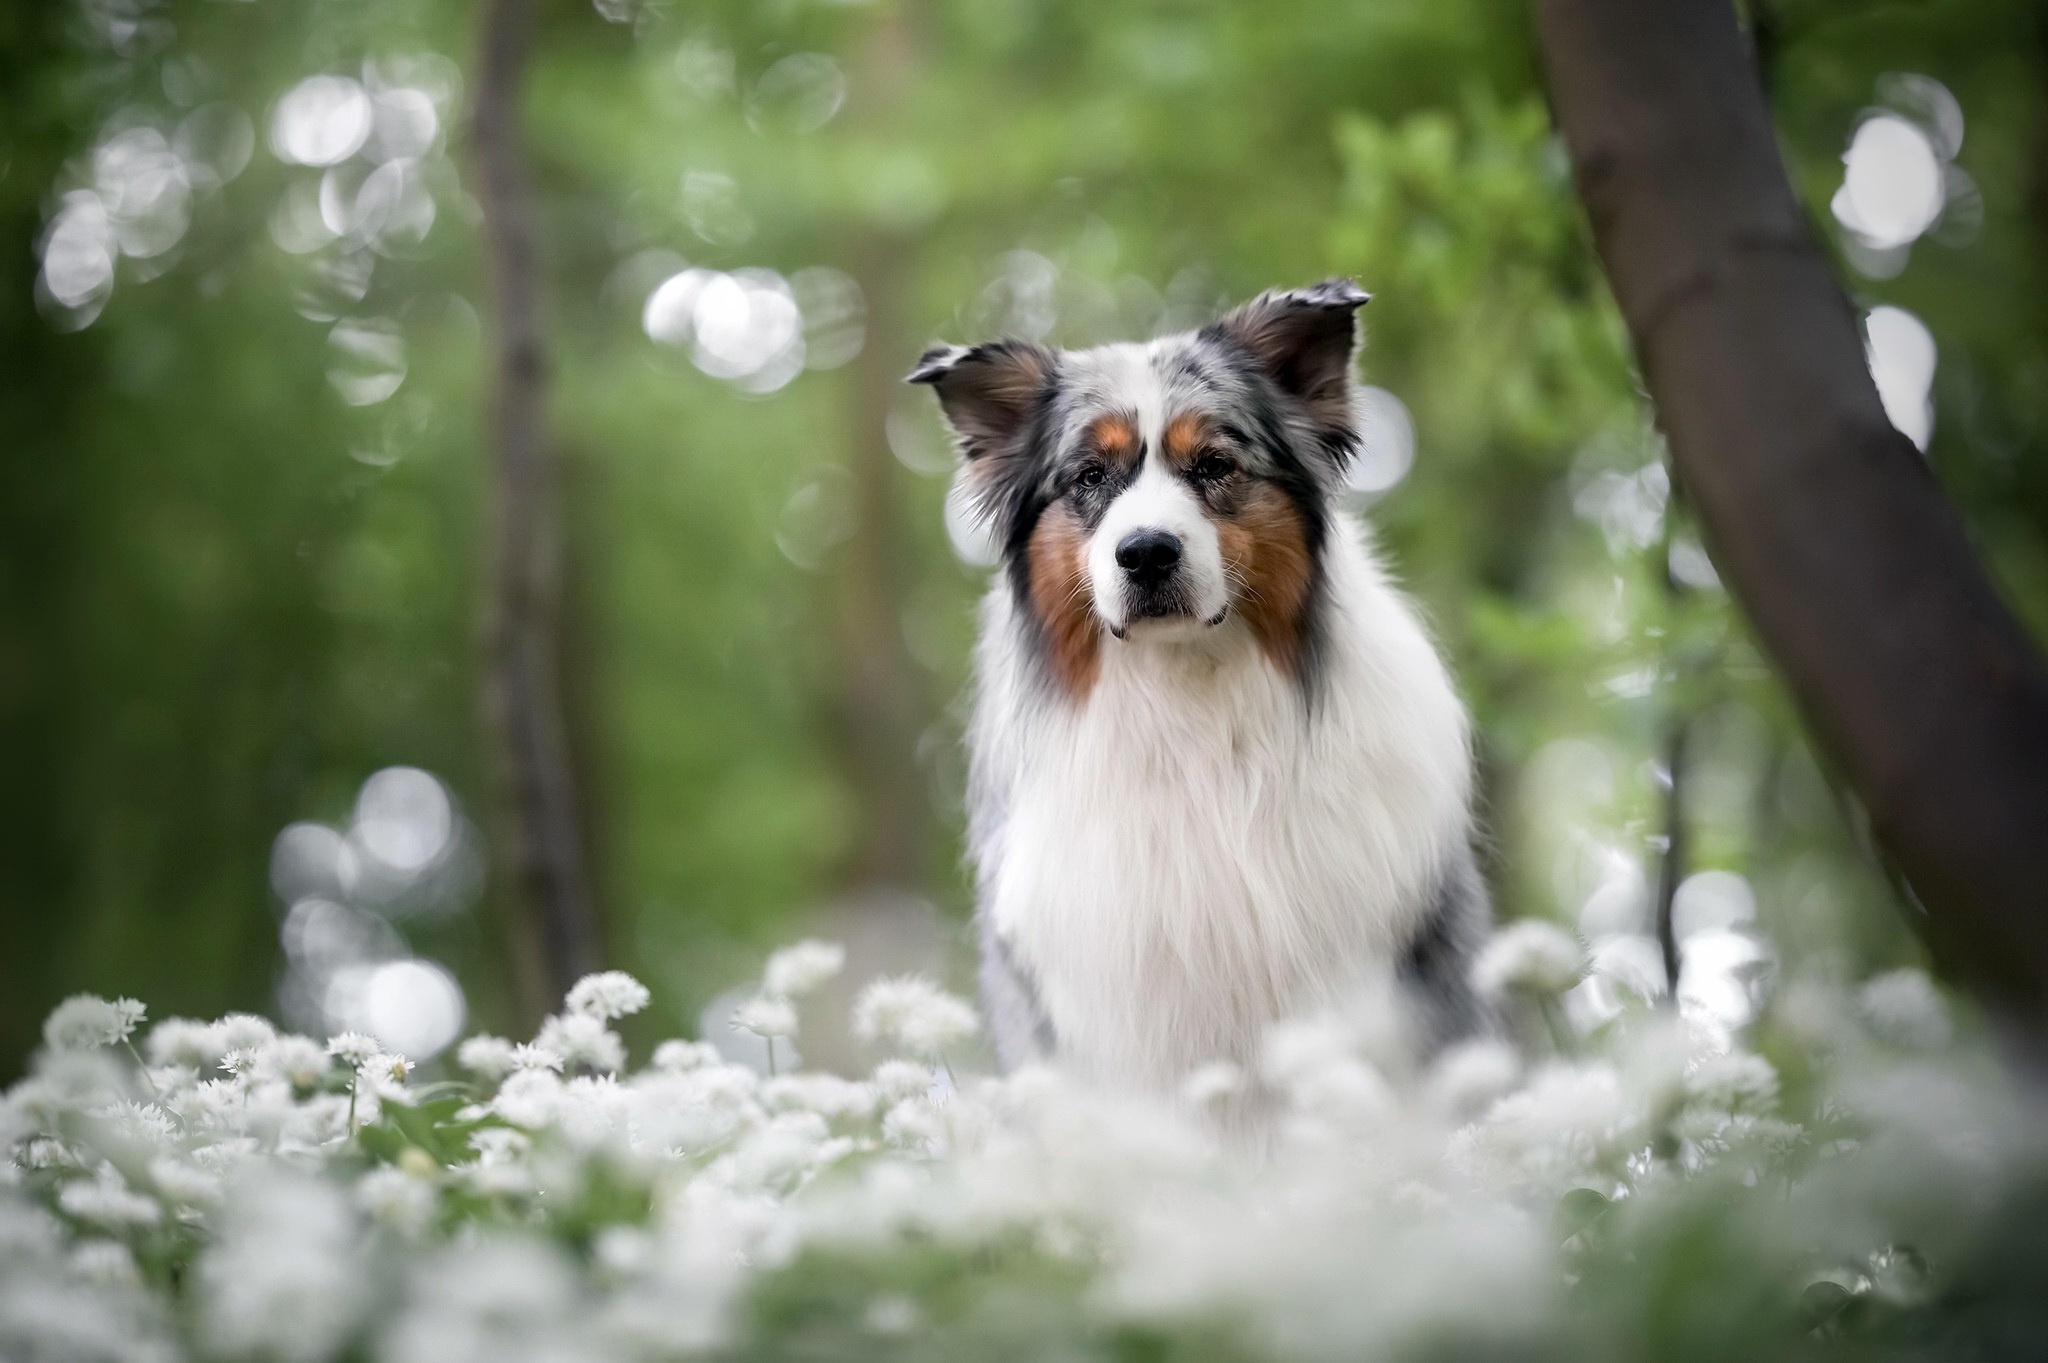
{"x": 1210, "y": 467}
{"x": 1089, "y": 476}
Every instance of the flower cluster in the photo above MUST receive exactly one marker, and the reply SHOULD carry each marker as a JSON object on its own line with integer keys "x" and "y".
{"x": 227, "y": 1191}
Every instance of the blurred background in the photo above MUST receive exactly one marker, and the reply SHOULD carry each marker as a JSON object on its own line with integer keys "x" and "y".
{"x": 245, "y": 495}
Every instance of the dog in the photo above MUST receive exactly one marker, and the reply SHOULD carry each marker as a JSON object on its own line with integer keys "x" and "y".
{"x": 1218, "y": 774}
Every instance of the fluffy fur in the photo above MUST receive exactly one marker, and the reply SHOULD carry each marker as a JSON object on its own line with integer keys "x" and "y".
{"x": 1220, "y": 776}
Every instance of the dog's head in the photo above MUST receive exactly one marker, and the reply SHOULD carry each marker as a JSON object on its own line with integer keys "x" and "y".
{"x": 1150, "y": 492}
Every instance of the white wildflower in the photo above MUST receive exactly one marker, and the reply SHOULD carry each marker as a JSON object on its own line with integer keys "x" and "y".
{"x": 678, "y": 1056}
{"x": 765, "y": 1017}
{"x": 183, "y": 1184}
{"x": 1530, "y": 956}
{"x": 184, "y": 1042}
{"x": 353, "y": 1048}
{"x": 532, "y": 1056}
{"x": 486, "y": 1056}
{"x": 828, "y": 1095}
{"x": 799, "y": 969}
{"x": 915, "y": 1124}
{"x": 899, "y": 1079}
{"x": 509, "y": 1298}
{"x": 912, "y": 1013}
{"x": 499, "y": 1145}
{"x": 285, "y": 1279}
{"x": 105, "y": 1262}
{"x": 1904, "y": 1008}
{"x": 1739, "y": 1081}
{"x": 529, "y": 1098}
{"x": 244, "y": 1032}
{"x": 296, "y": 1060}
{"x": 107, "y": 1200}
{"x": 583, "y": 1039}
{"x": 1472, "y": 1074}
{"x": 85, "y": 1021}
{"x": 398, "y": 1199}
{"x": 239, "y": 1062}
{"x": 607, "y": 995}
{"x": 387, "y": 1067}
{"x": 1566, "y": 1120}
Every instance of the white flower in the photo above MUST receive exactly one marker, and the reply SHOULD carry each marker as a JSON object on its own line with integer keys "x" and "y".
{"x": 529, "y": 1098}
{"x": 825, "y": 1094}
{"x": 607, "y": 995}
{"x": 583, "y": 1039}
{"x": 914, "y": 1014}
{"x": 386, "y": 1066}
{"x": 799, "y": 969}
{"x": 765, "y": 1016}
{"x": 183, "y": 1184}
{"x": 245, "y": 1032}
{"x": 285, "y": 1278}
{"x": 239, "y": 1062}
{"x": 183, "y": 1041}
{"x": 1904, "y": 1008}
{"x": 106, "y": 1262}
{"x": 914, "y": 1124}
{"x": 1472, "y": 1074}
{"x": 532, "y": 1056}
{"x": 397, "y": 1199}
{"x": 899, "y": 1079}
{"x": 85, "y": 1021}
{"x": 679, "y": 1056}
{"x": 489, "y": 1057}
{"x": 353, "y": 1048}
{"x": 1739, "y": 1081}
{"x": 297, "y": 1060}
{"x": 108, "y": 1201}
{"x": 1531, "y": 956}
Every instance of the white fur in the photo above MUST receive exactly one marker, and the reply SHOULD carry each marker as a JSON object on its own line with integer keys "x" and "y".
{"x": 1190, "y": 853}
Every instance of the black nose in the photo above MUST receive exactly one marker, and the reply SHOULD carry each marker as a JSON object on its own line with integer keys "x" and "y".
{"x": 1148, "y": 555}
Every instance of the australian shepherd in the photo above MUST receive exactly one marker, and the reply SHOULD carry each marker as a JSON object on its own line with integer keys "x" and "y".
{"x": 1219, "y": 775}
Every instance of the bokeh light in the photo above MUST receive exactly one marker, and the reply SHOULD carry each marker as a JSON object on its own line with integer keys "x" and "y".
{"x": 404, "y": 819}
{"x": 744, "y": 326}
{"x": 1902, "y": 356}
{"x": 1386, "y": 442}
{"x": 407, "y": 853}
{"x": 321, "y": 121}
{"x": 412, "y": 1006}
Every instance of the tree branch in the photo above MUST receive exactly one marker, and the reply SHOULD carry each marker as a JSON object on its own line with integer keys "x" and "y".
{"x": 540, "y": 838}
{"x": 1824, "y": 520}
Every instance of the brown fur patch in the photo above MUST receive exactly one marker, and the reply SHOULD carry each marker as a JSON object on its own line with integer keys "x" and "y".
{"x": 1059, "y": 598}
{"x": 1113, "y": 437}
{"x": 1265, "y": 549}
{"x": 1187, "y": 436}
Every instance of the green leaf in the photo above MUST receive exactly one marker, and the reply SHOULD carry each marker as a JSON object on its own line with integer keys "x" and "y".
{"x": 1580, "y": 1208}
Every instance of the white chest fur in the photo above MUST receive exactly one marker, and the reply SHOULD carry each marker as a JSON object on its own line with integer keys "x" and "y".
{"x": 1191, "y": 853}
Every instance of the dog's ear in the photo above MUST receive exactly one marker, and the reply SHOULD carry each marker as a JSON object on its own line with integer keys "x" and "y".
{"x": 988, "y": 392}
{"x": 1303, "y": 340}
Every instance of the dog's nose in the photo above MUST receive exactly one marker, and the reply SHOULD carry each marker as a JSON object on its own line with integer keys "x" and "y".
{"x": 1148, "y": 555}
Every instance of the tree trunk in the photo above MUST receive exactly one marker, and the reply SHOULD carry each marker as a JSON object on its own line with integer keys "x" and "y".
{"x": 1825, "y": 522}
{"x": 540, "y": 833}
{"x": 879, "y": 708}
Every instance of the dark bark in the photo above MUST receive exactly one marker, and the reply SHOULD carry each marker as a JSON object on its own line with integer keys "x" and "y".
{"x": 880, "y": 706}
{"x": 540, "y": 833}
{"x": 1671, "y": 871}
{"x": 1825, "y": 522}
{"x": 879, "y": 702}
